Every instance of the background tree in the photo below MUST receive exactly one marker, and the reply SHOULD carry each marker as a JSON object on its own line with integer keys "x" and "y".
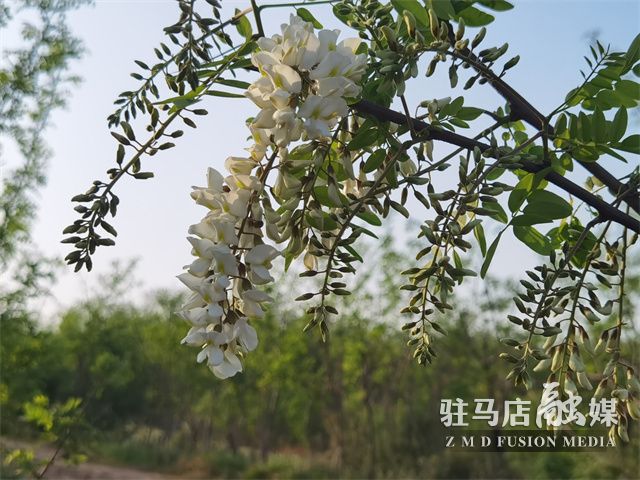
{"x": 34, "y": 82}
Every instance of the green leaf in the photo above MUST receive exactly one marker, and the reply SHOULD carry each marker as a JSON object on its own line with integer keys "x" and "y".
{"x": 533, "y": 239}
{"x": 499, "y": 213}
{"x": 497, "y": 5}
{"x": 469, "y": 113}
{"x": 219, "y": 93}
{"x": 478, "y": 232}
{"x": 452, "y": 108}
{"x": 321, "y": 194}
{"x": 520, "y": 192}
{"x": 416, "y": 8}
{"x": 618, "y": 125}
{"x": 475, "y": 18}
{"x": 443, "y": 8}
{"x": 630, "y": 144}
{"x": 599, "y": 126}
{"x": 307, "y": 16}
{"x": 183, "y": 101}
{"x": 633, "y": 54}
{"x": 353, "y": 252}
{"x": 547, "y": 206}
{"x": 374, "y": 160}
{"x": 365, "y": 137}
{"x": 561, "y": 124}
{"x": 628, "y": 88}
{"x": 369, "y": 217}
{"x": 489, "y": 255}
{"x": 244, "y": 26}
{"x": 230, "y": 82}
{"x": 526, "y": 220}
{"x": 323, "y": 223}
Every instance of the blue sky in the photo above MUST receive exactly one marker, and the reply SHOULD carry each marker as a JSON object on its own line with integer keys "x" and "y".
{"x": 550, "y": 36}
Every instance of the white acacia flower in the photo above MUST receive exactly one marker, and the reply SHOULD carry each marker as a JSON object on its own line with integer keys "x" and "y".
{"x": 284, "y": 134}
{"x": 280, "y": 99}
{"x": 193, "y": 283}
{"x": 245, "y": 334}
{"x": 207, "y": 196}
{"x": 284, "y": 77}
{"x": 286, "y": 185}
{"x": 260, "y": 91}
{"x": 194, "y": 300}
{"x": 225, "y": 229}
{"x": 258, "y": 259}
{"x": 251, "y": 302}
{"x": 408, "y": 167}
{"x": 240, "y": 165}
{"x": 209, "y": 253}
{"x": 197, "y": 317}
{"x": 196, "y": 337}
{"x": 213, "y": 354}
{"x": 246, "y": 183}
{"x": 264, "y": 119}
{"x": 316, "y": 107}
{"x": 266, "y": 44}
{"x": 203, "y": 229}
{"x": 218, "y": 227}
{"x": 229, "y": 366}
{"x": 339, "y": 86}
{"x": 331, "y": 65}
{"x": 288, "y": 110}
{"x": 264, "y": 58}
{"x": 225, "y": 261}
{"x": 216, "y": 291}
{"x": 235, "y": 202}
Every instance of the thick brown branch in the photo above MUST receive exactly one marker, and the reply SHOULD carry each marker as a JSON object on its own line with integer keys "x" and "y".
{"x": 521, "y": 109}
{"x": 606, "y": 211}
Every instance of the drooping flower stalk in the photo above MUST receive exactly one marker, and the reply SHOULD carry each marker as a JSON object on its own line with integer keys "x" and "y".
{"x": 301, "y": 93}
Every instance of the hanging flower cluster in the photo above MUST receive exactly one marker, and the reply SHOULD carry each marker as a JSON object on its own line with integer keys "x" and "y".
{"x": 301, "y": 93}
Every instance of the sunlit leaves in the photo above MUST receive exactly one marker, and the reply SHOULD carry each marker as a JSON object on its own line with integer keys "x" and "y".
{"x": 543, "y": 206}
{"x": 532, "y": 238}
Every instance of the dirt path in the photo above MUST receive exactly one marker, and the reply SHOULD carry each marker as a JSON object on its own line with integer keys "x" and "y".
{"x": 88, "y": 470}
{"x": 96, "y": 471}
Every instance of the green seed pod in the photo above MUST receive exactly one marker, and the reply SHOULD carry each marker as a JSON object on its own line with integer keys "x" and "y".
{"x": 410, "y": 22}
{"x": 575, "y": 362}
{"x": 509, "y": 358}
{"x": 479, "y": 37}
{"x": 633, "y": 407}
{"x": 542, "y": 366}
{"x": 583, "y": 381}
{"x": 460, "y": 31}
{"x": 599, "y": 393}
{"x": 569, "y": 386}
{"x": 434, "y": 23}
{"x": 620, "y": 393}
{"x": 632, "y": 382}
{"x": 462, "y": 44}
{"x": 390, "y": 35}
{"x": 511, "y": 63}
{"x": 557, "y": 359}
{"x": 609, "y": 368}
{"x": 601, "y": 342}
{"x": 444, "y": 32}
{"x": 622, "y": 432}
{"x": 432, "y": 66}
{"x": 549, "y": 342}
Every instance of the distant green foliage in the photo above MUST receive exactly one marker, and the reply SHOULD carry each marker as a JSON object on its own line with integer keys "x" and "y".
{"x": 355, "y": 406}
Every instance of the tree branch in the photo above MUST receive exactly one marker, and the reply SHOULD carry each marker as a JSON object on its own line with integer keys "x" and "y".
{"x": 606, "y": 211}
{"x": 521, "y": 109}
